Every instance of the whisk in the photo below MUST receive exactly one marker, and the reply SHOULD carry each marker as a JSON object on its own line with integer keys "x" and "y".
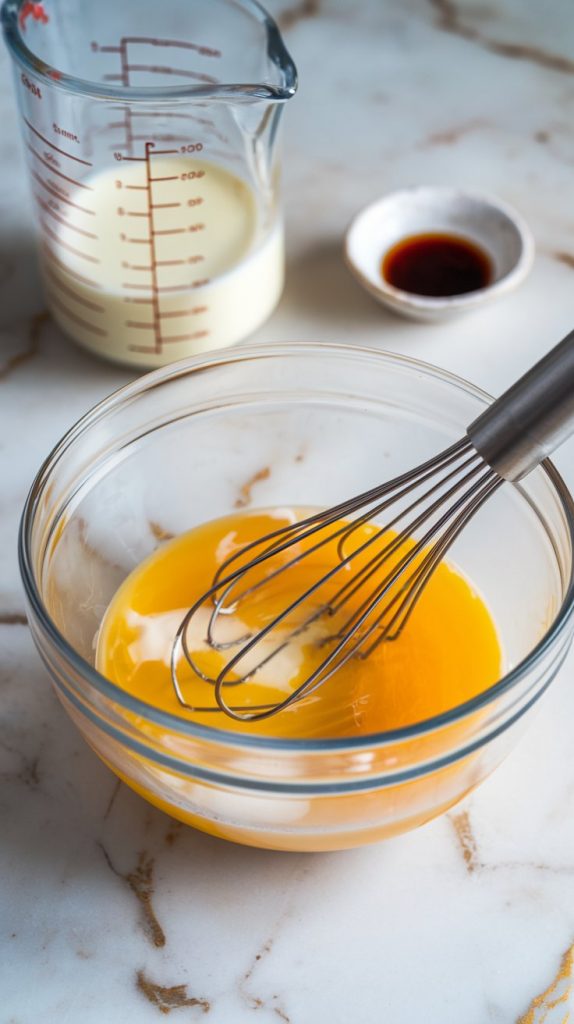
{"x": 374, "y": 587}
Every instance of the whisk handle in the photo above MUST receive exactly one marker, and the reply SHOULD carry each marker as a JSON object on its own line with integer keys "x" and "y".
{"x": 532, "y": 418}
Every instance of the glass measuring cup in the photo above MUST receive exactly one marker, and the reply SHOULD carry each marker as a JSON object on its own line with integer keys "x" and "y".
{"x": 151, "y": 136}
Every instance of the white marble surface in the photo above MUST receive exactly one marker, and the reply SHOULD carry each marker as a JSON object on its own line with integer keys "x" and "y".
{"x": 107, "y": 911}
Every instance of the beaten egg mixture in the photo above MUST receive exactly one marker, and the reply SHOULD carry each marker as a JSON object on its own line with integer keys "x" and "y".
{"x": 447, "y": 653}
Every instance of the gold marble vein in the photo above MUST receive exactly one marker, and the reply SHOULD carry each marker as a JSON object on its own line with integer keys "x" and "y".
{"x": 252, "y": 1000}
{"x": 244, "y": 497}
{"x": 255, "y": 1001}
{"x": 450, "y": 20}
{"x": 112, "y": 799}
{"x": 168, "y": 997}
{"x": 281, "y": 1014}
{"x": 557, "y": 993}
{"x": 567, "y": 258}
{"x": 467, "y": 843}
{"x": 450, "y": 136}
{"x": 141, "y": 882}
{"x": 35, "y": 328}
{"x": 174, "y": 832}
{"x": 301, "y": 11}
{"x": 159, "y": 532}
{"x": 28, "y": 773}
{"x": 13, "y": 619}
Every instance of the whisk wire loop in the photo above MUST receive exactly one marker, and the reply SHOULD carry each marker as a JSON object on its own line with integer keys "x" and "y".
{"x": 458, "y": 468}
{"x": 351, "y": 630}
{"x": 505, "y": 442}
{"x": 343, "y": 532}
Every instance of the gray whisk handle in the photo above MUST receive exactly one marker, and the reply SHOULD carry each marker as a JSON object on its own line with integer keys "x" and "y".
{"x": 532, "y": 418}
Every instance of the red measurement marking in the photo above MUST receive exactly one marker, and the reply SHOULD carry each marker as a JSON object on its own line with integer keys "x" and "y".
{"x": 186, "y": 337}
{"x": 112, "y": 78}
{"x": 172, "y": 113}
{"x": 138, "y": 188}
{"x": 50, "y": 187}
{"x": 31, "y": 86}
{"x": 68, "y": 270}
{"x": 34, "y": 11}
{"x": 77, "y": 319}
{"x": 62, "y": 220}
{"x": 70, "y": 291}
{"x": 65, "y": 245}
{"x": 185, "y": 312}
{"x": 161, "y": 289}
{"x": 205, "y": 51}
{"x": 181, "y": 288}
{"x": 124, "y": 61}
{"x": 205, "y": 121}
{"x": 155, "y": 304}
{"x": 165, "y": 69}
{"x": 150, "y": 150}
{"x": 163, "y": 137}
{"x": 135, "y": 160}
{"x": 57, "y": 148}
{"x": 128, "y": 121}
{"x": 134, "y": 298}
{"x": 54, "y": 170}
{"x": 138, "y": 266}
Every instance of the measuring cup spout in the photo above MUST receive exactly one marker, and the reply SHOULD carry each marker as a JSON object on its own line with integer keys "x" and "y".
{"x": 254, "y": 65}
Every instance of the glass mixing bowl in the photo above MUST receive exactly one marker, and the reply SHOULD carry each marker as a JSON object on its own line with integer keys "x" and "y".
{"x": 176, "y": 448}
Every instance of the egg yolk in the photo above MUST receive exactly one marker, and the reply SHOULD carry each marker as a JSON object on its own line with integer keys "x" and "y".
{"x": 447, "y": 652}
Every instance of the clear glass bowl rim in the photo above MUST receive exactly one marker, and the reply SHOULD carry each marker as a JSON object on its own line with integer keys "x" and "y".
{"x": 211, "y": 360}
{"x": 277, "y": 53}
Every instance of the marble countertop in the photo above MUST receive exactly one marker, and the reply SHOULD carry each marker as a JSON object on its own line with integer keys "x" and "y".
{"x": 108, "y": 910}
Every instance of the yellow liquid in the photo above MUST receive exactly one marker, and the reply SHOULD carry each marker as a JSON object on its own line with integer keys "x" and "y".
{"x": 447, "y": 653}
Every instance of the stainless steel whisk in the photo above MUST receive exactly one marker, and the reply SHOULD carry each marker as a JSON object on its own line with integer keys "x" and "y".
{"x": 431, "y": 503}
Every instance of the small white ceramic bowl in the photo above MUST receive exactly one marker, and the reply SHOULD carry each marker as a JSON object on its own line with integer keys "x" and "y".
{"x": 492, "y": 225}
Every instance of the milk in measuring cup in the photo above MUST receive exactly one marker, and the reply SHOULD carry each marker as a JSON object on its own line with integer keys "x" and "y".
{"x": 155, "y": 260}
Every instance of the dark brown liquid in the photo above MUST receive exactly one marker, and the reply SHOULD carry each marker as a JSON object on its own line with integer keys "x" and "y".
{"x": 436, "y": 264}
